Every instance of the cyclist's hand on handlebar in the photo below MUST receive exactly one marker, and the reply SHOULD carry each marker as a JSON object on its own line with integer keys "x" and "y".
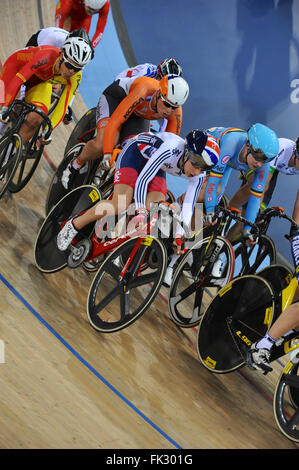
{"x": 139, "y": 220}
{"x": 178, "y": 245}
{"x": 209, "y": 218}
{"x": 68, "y": 118}
{"x": 105, "y": 163}
{"x": 249, "y": 238}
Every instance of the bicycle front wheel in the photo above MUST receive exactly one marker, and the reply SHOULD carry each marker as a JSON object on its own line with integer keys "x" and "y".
{"x": 10, "y": 155}
{"x": 239, "y": 315}
{"x": 250, "y": 260}
{"x": 191, "y": 291}
{"x": 115, "y": 300}
{"x": 286, "y": 400}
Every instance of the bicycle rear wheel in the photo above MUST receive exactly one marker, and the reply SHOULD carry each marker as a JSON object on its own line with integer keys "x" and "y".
{"x": 191, "y": 291}
{"x": 114, "y": 302}
{"x": 250, "y": 260}
{"x": 48, "y": 257}
{"x": 239, "y": 315}
{"x": 83, "y": 131}
{"x": 10, "y": 155}
{"x": 286, "y": 400}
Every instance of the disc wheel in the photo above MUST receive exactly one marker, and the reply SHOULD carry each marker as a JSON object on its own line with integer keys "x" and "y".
{"x": 239, "y": 315}
{"x": 114, "y": 302}
{"x": 191, "y": 289}
{"x": 286, "y": 401}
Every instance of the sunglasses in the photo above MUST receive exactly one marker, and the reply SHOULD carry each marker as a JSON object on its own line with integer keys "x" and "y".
{"x": 71, "y": 66}
{"x": 197, "y": 160}
{"x": 257, "y": 154}
{"x": 168, "y": 105}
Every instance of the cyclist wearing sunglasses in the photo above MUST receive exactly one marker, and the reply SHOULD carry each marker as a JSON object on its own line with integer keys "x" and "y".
{"x": 141, "y": 173}
{"x": 125, "y": 109}
{"x": 240, "y": 150}
{"x": 39, "y": 68}
{"x": 74, "y": 14}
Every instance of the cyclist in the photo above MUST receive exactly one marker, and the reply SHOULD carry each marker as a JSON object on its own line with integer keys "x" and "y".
{"x": 74, "y": 14}
{"x": 286, "y": 162}
{"x": 141, "y": 172}
{"x": 39, "y": 68}
{"x": 165, "y": 67}
{"x": 125, "y": 109}
{"x": 259, "y": 353}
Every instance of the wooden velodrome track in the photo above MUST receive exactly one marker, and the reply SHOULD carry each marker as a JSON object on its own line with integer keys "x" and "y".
{"x": 63, "y": 385}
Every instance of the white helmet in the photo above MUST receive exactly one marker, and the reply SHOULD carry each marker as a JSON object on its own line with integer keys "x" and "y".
{"x": 78, "y": 50}
{"x": 174, "y": 90}
{"x": 95, "y": 4}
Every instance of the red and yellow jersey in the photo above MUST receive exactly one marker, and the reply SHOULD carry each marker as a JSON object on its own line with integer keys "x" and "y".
{"x": 138, "y": 101}
{"x": 34, "y": 66}
{"x": 80, "y": 19}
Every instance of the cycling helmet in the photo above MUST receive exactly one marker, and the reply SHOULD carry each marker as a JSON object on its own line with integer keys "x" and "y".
{"x": 202, "y": 149}
{"x": 95, "y": 4}
{"x": 262, "y": 142}
{"x": 168, "y": 66}
{"x": 77, "y": 49}
{"x": 81, "y": 33}
{"x": 174, "y": 90}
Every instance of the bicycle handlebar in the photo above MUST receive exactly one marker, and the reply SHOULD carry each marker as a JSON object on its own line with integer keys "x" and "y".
{"x": 26, "y": 108}
{"x": 236, "y": 216}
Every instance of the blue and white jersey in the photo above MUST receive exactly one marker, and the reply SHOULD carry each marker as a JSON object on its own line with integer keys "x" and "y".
{"x": 162, "y": 151}
{"x": 295, "y": 253}
{"x": 232, "y": 141}
{"x": 282, "y": 160}
{"x": 142, "y": 70}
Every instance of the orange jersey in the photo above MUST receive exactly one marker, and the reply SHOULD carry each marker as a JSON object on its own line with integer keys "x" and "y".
{"x": 138, "y": 101}
{"x": 32, "y": 63}
{"x": 80, "y": 19}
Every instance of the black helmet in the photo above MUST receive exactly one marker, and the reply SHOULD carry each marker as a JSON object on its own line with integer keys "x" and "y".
{"x": 169, "y": 66}
{"x": 81, "y": 33}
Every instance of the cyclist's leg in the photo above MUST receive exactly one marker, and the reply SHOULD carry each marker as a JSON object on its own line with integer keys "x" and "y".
{"x": 39, "y": 95}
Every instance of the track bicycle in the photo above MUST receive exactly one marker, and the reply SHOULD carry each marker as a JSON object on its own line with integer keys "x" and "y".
{"x": 18, "y": 162}
{"x": 132, "y": 265}
{"x": 194, "y": 283}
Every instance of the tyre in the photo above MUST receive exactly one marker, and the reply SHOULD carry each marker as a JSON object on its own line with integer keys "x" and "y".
{"x": 48, "y": 258}
{"x": 250, "y": 260}
{"x": 28, "y": 163}
{"x": 191, "y": 288}
{"x": 10, "y": 156}
{"x": 83, "y": 131}
{"x": 286, "y": 400}
{"x": 239, "y": 315}
{"x": 115, "y": 302}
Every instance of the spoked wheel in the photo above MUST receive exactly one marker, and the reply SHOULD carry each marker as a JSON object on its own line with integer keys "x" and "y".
{"x": 56, "y": 190}
{"x": 48, "y": 257}
{"x": 30, "y": 158}
{"x": 10, "y": 155}
{"x": 191, "y": 289}
{"x": 118, "y": 296}
{"x": 286, "y": 400}
{"x": 239, "y": 315}
{"x": 250, "y": 260}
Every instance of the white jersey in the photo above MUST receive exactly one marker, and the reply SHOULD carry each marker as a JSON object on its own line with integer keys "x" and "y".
{"x": 281, "y": 162}
{"x": 142, "y": 70}
{"x": 163, "y": 150}
{"x": 52, "y": 37}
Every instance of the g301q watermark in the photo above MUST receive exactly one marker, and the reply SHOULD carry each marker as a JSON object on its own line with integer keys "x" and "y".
{"x": 2, "y": 352}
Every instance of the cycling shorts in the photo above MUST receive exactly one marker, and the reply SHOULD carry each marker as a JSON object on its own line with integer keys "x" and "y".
{"x": 33, "y": 40}
{"x": 130, "y": 165}
{"x": 40, "y": 95}
{"x": 108, "y": 102}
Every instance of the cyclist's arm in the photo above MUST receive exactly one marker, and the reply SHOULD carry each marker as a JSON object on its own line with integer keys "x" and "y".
{"x": 63, "y": 10}
{"x": 65, "y": 99}
{"x": 296, "y": 210}
{"x": 256, "y": 193}
{"x": 174, "y": 121}
{"x": 123, "y": 111}
{"x": 215, "y": 177}
{"x": 102, "y": 20}
{"x": 190, "y": 199}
